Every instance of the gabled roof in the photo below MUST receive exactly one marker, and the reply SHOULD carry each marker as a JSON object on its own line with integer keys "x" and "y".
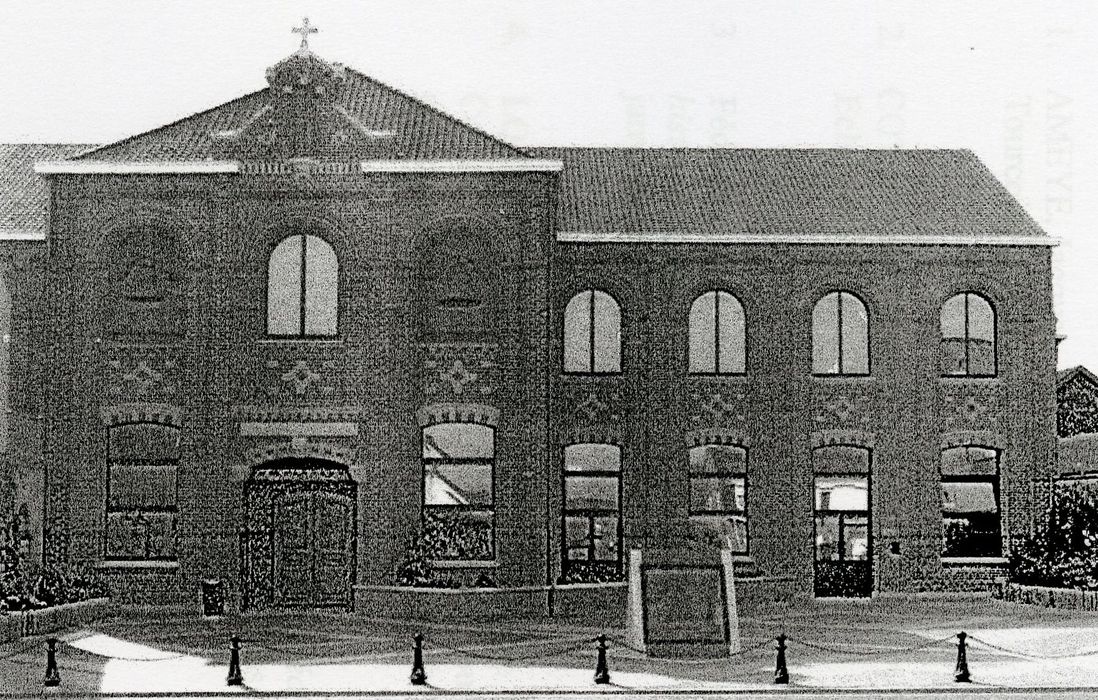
{"x": 420, "y": 131}
{"x": 1066, "y": 375}
{"x": 23, "y": 194}
{"x": 699, "y": 193}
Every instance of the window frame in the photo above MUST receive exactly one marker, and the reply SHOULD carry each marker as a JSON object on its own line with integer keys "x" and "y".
{"x": 839, "y": 335}
{"x": 714, "y": 337}
{"x": 692, "y": 474}
{"x": 994, "y": 480}
{"x": 967, "y": 338}
{"x": 591, "y": 514}
{"x": 109, "y": 508}
{"x": 591, "y": 335}
{"x": 302, "y": 291}
{"x": 489, "y": 508}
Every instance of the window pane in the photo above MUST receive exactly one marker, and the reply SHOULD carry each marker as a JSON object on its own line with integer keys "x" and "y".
{"x": 717, "y": 494}
{"x": 840, "y": 459}
{"x": 953, "y": 335}
{"x": 607, "y": 334}
{"x": 969, "y": 497}
{"x": 284, "y": 288}
{"x": 981, "y": 319}
{"x": 842, "y": 493}
{"x": 457, "y": 484}
{"x": 140, "y": 535}
{"x": 827, "y": 538}
{"x": 577, "y": 333}
{"x": 718, "y": 459}
{"x": 970, "y": 461}
{"x": 576, "y": 536}
{"x": 321, "y": 287}
{"x": 606, "y": 538}
{"x": 855, "y": 538}
{"x": 136, "y": 487}
{"x": 591, "y": 492}
{"x": 731, "y": 330}
{"x": 592, "y": 457}
{"x": 458, "y": 441}
{"x": 144, "y": 443}
{"x": 975, "y": 535}
{"x": 825, "y": 335}
{"x": 855, "y": 335}
{"x": 731, "y": 529}
{"x": 703, "y": 356}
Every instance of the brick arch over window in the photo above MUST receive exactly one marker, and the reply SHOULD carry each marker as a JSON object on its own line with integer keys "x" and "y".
{"x": 848, "y": 438}
{"x": 610, "y": 434}
{"x": 716, "y": 436}
{"x": 457, "y": 413}
{"x": 162, "y": 413}
{"x": 303, "y": 287}
{"x": 310, "y": 449}
{"x": 973, "y": 438}
{"x": 459, "y": 283}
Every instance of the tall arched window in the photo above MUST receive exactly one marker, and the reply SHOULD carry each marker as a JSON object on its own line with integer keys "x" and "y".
{"x": 968, "y": 336}
{"x": 302, "y": 288}
{"x": 592, "y": 333}
{"x": 716, "y": 334}
{"x": 840, "y": 335}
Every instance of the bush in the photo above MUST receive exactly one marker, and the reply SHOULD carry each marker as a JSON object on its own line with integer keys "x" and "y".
{"x": 1063, "y": 550}
{"x": 55, "y": 586}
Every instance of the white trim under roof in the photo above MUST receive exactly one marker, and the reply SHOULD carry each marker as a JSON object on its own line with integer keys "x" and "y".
{"x": 509, "y": 165}
{"x": 803, "y": 239}
{"x": 22, "y": 234}
{"x": 152, "y": 167}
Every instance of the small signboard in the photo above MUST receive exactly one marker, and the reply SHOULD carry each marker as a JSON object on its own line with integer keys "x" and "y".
{"x": 683, "y": 603}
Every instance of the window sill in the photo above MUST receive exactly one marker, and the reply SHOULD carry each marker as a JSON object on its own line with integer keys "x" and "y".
{"x": 475, "y": 564}
{"x": 299, "y": 341}
{"x": 977, "y": 561}
{"x": 858, "y": 378}
{"x": 955, "y": 378}
{"x": 137, "y": 564}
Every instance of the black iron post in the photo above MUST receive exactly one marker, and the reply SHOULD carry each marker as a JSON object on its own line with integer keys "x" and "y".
{"x": 53, "y": 678}
{"x": 419, "y": 675}
{"x": 961, "y": 674}
{"x": 781, "y": 673}
{"x": 602, "y": 670}
{"x": 234, "y": 677}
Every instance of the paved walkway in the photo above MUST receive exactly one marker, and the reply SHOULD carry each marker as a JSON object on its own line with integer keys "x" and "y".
{"x": 882, "y": 644}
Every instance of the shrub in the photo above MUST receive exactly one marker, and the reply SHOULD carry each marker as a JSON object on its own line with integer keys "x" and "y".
{"x": 1063, "y": 550}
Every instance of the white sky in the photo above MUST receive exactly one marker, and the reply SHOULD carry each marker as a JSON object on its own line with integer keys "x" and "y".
{"x": 1015, "y": 82}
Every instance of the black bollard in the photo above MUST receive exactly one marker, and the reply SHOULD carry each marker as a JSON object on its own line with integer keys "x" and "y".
{"x": 53, "y": 678}
{"x": 781, "y": 673}
{"x": 234, "y": 677}
{"x": 419, "y": 676}
{"x": 602, "y": 670}
{"x": 961, "y": 674}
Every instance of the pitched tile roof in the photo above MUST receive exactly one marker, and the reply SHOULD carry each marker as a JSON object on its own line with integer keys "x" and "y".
{"x": 420, "y": 130}
{"x": 765, "y": 191}
{"x": 23, "y": 194}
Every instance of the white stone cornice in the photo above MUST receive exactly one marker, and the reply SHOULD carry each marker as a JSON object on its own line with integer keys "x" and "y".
{"x": 108, "y": 167}
{"x": 681, "y": 237}
{"x": 509, "y": 165}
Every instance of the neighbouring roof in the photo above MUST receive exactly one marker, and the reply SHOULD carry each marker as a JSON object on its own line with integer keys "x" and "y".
{"x": 1066, "y": 375}
{"x": 420, "y": 131}
{"x": 784, "y": 192}
{"x": 23, "y": 194}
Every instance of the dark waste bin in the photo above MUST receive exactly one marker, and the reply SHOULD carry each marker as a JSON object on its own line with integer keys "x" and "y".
{"x": 213, "y": 597}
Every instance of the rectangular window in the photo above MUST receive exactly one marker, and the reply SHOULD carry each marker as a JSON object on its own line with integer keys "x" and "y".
{"x": 592, "y": 513}
{"x": 458, "y": 492}
{"x": 718, "y": 492}
{"x": 142, "y": 472}
{"x": 970, "y": 503}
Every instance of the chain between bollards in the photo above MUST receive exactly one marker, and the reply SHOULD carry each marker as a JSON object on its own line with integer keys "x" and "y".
{"x": 602, "y": 670}
{"x": 234, "y": 677}
{"x": 781, "y": 673}
{"x": 53, "y": 678}
{"x": 419, "y": 675}
{"x": 961, "y": 674}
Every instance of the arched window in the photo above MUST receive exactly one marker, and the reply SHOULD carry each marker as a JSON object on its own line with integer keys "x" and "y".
{"x": 718, "y": 492}
{"x": 458, "y": 287}
{"x": 302, "y": 288}
{"x": 840, "y": 335}
{"x": 592, "y": 333}
{"x": 592, "y": 513}
{"x": 458, "y": 495}
{"x": 968, "y": 336}
{"x": 716, "y": 334}
{"x": 970, "y": 502}
{"x": 142, "y": 459}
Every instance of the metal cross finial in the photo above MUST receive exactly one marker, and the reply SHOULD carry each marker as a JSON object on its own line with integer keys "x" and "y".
{"x": 304, "y": 30}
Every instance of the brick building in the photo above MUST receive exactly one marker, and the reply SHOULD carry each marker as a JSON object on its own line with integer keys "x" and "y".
{"x": 324, "y": 339}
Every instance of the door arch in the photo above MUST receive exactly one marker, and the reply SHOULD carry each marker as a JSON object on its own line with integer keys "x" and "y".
{"x": 298, "y": 542}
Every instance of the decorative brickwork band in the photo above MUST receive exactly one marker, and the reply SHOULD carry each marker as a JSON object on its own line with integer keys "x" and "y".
{"x": 608, "y": 434}
{"x": 298, "y": 448}
{"x": 457, "y": 413}
{"x": 716, "y": 436}
{"x": 142, "y": 413}
{"x": 297, "y": 414}
{"x": 963, "y": 438}
{"x": 854, "y": 438}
